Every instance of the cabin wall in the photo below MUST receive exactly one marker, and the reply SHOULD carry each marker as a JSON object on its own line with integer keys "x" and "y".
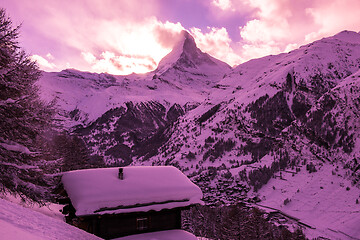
{"x": 118, "y": 225}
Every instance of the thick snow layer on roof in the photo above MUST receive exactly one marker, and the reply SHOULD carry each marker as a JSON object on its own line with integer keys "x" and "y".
{"x": 162, "y": 235}
{"x": 100, "y": 191}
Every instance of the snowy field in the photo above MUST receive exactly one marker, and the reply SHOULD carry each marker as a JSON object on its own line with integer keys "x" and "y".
{"x": 19, "y": 223}
{"x": 163, "y": 235}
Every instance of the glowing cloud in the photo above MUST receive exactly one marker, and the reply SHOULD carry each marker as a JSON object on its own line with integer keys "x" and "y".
{"x": 283, "y": 25}
{"x": 333, "y": 17}
{"x": 121, "y": 36}
{"x": 139, "y": 49}
{"x": 222, "y": 4}
{"x": 43, "y": 63}
{"x": 117, "y": 45}
{"x": 217, "y": 43}
{"x": 115, "y": 36}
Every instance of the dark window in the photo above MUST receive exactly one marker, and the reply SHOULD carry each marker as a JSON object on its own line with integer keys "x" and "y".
{"x": 142, "y": 223}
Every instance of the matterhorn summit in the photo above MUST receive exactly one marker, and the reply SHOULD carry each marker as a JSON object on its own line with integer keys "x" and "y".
{"x": 187, "y": 57}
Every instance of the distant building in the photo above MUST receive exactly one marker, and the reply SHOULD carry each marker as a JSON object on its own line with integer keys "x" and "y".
{"x": 115, "y": 202}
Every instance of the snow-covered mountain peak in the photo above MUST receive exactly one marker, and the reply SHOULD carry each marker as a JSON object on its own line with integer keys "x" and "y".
{"x": 186, "y": 56}
{"x": 186, "y": 43}
{"x": 189, "y": 45}
{"x": 175, "y": 53}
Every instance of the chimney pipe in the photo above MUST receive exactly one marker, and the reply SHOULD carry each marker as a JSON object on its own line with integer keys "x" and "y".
{"x": 121, "y": 173}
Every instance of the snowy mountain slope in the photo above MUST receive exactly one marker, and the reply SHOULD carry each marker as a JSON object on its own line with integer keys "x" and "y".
{"x": 135, "y": 130}
{"x": 324, "y": 194}
{"x": 269, "y": 115}
{"x": 122, "y": 117}
{"x": 18, "y": 222}
{"x": 333, "y": 124}
{"x": 232, "y": 131}
{"x": 312, "y": 69}
{"x": 83, "y": 97}
{"x": 268, "y": 94}
{"x": 322, "y": 199}
{"x": 264, "y": 96}
{"x": 183, "y": 76}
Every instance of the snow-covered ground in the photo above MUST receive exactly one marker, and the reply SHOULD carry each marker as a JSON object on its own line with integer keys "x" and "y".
{"x": 162, "y": 235}
{"x": 19, "y": 223}
{"x": 324, "y": 200}
{"x": 25, "y": 221}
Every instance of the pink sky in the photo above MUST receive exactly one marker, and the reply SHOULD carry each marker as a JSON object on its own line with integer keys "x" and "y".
{"x": 125, "y": 36}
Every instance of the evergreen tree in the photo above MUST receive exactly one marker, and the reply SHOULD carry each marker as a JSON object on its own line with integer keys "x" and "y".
{"x": 72, "y": 151}
{"x": 23, "y": 118}
{"x": 234, "y": 222}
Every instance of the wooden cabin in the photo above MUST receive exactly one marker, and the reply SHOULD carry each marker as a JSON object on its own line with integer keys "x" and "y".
{"x": 116, "y": 202}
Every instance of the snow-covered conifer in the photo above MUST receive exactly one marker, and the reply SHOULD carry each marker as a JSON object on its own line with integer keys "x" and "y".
{"x": 23, "y": 117}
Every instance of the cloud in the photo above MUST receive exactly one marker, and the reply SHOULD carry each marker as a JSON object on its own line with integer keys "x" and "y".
{"x": 275, "y": 26}
{"x": 49, "y": 56}
{"x": 114, "y": 40}
{"x": 282, "y": 25}
{"x": 43, "y": 63}
{"x": 131, "y": 47}
{"x": 128, "y": 30}
{"x": 121, "y": 36}
{"x": 119, "y": 64}
{"x": 88, "y": 57}
{"x": 168, "y": 33}
{"x": 222, "y": 4}
{"x": 334, "y": 16}
{"x": 217, "y": 43}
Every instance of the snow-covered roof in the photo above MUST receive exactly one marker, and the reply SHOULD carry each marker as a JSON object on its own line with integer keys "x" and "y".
{"x": 100, "y": 191}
